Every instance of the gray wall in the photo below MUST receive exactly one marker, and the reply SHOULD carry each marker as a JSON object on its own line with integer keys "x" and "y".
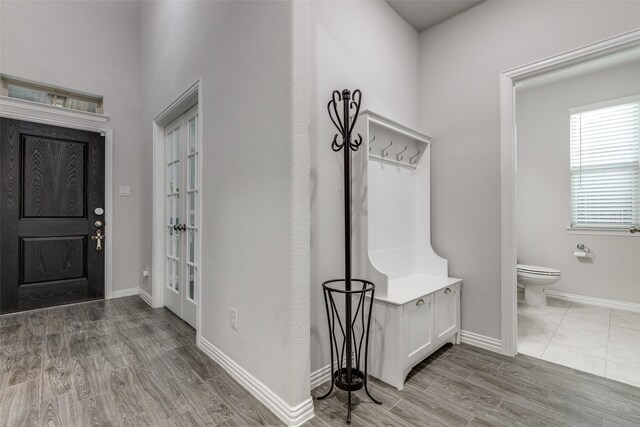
{"x": 542, "y": 118}
{"x": 90, "y": 47}
{"x": 242, "y": 52}
{"x": 459, "y": 106}
{"x": 255, "y": 181}
{"x": 354, "y": 45}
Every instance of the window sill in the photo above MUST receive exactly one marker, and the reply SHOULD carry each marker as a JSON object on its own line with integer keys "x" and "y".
{"x": 601, "y": 231}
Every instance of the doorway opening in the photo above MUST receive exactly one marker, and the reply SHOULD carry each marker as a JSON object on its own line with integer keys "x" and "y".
{"x": 570, "y": 214}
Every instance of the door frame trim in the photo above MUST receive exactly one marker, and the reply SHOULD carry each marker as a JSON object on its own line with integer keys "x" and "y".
{"x": 189, "y": 98}
{"x": 508, "y": 161}
{"x": 19, "y": 109}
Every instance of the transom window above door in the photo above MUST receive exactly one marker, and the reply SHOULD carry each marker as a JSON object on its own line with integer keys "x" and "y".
{"x": 605, "y": 164}
{"x": 14, "y": 87}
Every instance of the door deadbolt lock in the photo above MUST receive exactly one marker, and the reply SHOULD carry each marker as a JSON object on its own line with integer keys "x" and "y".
{"x": 98, "y": 223}
{"x": 99, "y": 237}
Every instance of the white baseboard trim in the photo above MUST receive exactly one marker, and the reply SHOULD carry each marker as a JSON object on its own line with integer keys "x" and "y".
{"x": 290, "y": 415}
{"x": 125, "y": 292}
{"x": 145, "y": 297}
{"x": 320, "y": 376}
{"x": 601, "y": 302}
{"x": 481, "y": 341}
{"x": 324, "y": 374}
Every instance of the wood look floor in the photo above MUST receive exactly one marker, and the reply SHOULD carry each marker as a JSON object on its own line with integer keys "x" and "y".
{"x": 121, "y": 363}
{"x": 466, "y": 386}
{"x": 114, "y": 363}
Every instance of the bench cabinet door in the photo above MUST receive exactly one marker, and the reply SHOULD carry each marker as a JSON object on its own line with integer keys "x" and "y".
{"x": 446, "y": 313}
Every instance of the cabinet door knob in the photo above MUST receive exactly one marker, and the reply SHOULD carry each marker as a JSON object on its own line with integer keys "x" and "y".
{"x": 447, "y": 291}
{"x": 420, "y": 302}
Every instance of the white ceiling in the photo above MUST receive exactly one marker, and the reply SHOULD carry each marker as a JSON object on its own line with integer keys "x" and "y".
{"x": 423, "y": 14}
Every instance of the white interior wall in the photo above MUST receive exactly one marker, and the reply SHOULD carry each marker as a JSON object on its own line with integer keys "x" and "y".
{"x": 542, "y": 118}
{"x": 252, "y": 205}
{"x": 459, "y": 107}
{"x": 87, "y": 46}
{"x": 353, "y": 45}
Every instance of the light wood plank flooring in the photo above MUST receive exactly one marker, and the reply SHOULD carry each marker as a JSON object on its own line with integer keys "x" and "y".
{"x": 466, "y": 386}
{"x": 114, "y": 363}
{"x": 121, "y": 363}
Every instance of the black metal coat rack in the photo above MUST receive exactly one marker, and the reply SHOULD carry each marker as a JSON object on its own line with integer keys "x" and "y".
{"x": 348, "y": 375}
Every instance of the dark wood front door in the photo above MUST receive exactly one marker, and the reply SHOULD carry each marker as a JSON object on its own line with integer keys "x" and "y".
{"x": 51, "y": 183}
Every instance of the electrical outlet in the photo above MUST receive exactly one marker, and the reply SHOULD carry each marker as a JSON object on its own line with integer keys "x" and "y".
{"x": 234, "y": 319}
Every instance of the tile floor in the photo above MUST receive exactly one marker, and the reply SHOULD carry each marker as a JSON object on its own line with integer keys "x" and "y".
{"x": 598, "y": 340}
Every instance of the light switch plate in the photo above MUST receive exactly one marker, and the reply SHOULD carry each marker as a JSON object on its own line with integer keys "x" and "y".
{"x": 124, "y": 191}
{"x": 234, "y": 318}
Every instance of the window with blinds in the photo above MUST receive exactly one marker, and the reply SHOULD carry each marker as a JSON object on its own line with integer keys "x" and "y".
{"x": 605, "y": 165}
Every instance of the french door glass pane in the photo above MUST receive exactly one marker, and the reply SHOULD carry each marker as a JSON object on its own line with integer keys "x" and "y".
{"x": 173, "y": 177}
{"x": 176, "y": 144}
{"x": 177, "y": 276}
{"x": 192, "y": 209}
{"x": 192, "y": 251}
{"x": 176, "y": 177}
{"x": 192, "y": 136}
{"x": 192, "y": 172}
{"x": 170, "y": 211}
{"x": 168, "y": 149}
{"x": 192, "y": 283}
{"x": 170, "y": 273}
{"x": 176, "y": 245}
{"x": 175, "y": 200}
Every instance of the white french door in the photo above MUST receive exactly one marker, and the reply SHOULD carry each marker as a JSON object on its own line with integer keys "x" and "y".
{"x": 181, "y": 216}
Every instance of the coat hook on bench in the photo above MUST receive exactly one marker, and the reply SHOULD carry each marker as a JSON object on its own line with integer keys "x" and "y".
{"x": 372, "y": 139}
{"x": 413, "y": 159}
{"x": 385, "y": 151}
{"x": 398, "y": 156}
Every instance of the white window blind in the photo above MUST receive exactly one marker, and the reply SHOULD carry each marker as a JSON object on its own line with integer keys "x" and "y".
{"x": 605, "y": 166}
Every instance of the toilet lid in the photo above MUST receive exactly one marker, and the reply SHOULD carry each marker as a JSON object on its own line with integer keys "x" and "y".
{"x": 543, "y": 271}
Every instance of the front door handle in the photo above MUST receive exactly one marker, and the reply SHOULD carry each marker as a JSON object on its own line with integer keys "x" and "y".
{"x": 99, "y": 237}
{"x": 634, "y": 230}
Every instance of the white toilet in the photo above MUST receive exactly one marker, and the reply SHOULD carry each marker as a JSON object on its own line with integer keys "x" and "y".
{"x": 534, "y": 279}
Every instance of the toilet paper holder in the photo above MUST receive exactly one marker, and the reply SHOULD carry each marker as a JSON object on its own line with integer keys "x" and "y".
{"x": 582, "y": 252}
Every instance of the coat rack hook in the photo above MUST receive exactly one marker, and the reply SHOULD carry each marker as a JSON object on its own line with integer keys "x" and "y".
{"x": 372, "y": 139}
{"x": 398, "y": 156}
{"x": 413, "y": 159}
{"x": 385, "y": 151}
